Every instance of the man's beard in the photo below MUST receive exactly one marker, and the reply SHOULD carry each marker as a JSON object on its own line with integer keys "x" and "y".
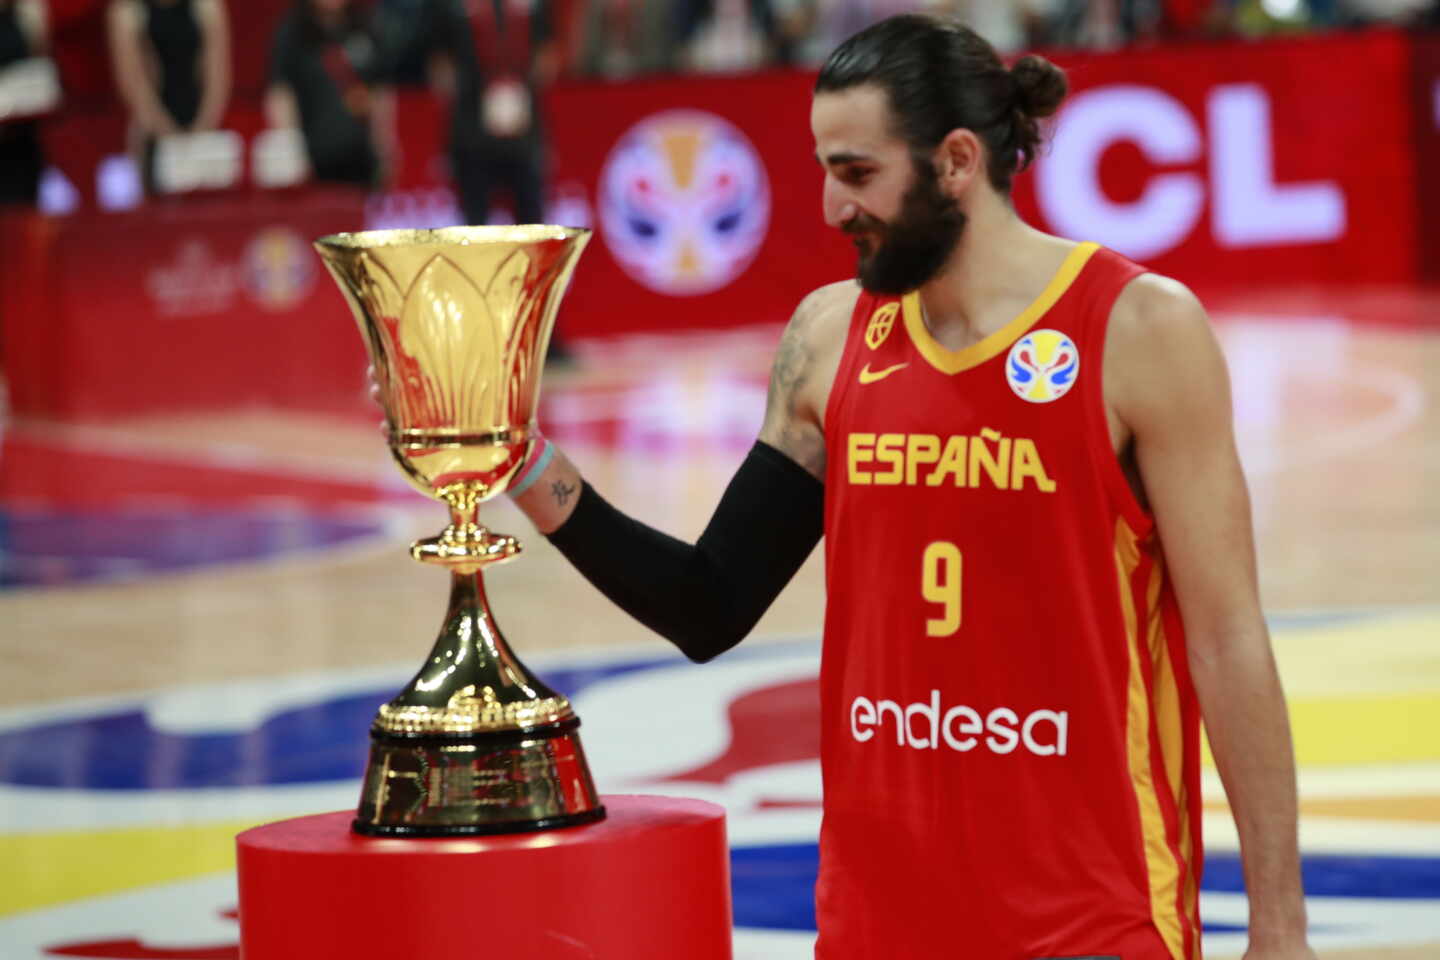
{"x": 915, "y": 245}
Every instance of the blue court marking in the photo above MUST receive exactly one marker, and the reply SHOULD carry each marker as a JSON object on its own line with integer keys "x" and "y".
{"x": 318, "y": 743}
{"x": 43, "y": 546}
{"x": 774, "y": 885}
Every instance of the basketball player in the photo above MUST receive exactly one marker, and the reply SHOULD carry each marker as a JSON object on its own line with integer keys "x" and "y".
{"x": 1039, "y": 557}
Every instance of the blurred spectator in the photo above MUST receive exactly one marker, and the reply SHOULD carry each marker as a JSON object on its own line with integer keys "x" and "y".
{"x": 621, "y": 38}
{"x": 492, "y": 60}
{"x": 1010, "y": 25}
{"x": 328, "y": 78}
{"x": 23, "y": 37}
{"x": 1106, "y": 24}
{"x": 727, "y": 36}
{"x": 172, "y": 68}
{"x": 1396, "y": 11}
{"x": 405, "y": 27}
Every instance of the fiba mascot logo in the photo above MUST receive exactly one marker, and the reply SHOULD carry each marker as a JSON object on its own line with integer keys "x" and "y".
{"x": 1042, "y": 366}
{"x": 684, "y": 202}
{"x": 279, "y": 268}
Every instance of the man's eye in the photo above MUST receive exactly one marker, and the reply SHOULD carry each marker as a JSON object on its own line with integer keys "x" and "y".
{"x": 855, "y": 177}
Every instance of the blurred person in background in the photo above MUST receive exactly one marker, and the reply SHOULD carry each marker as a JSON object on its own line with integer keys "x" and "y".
{"x": 1009, "y": 25}
{"x": 1106, "y": 24}
{"x": 23, "y": 36}
{"x": 727, "y": 36}
{"x": 172, "y": 68}
{"x": 1012, "y": 24}
{"x": 329, "y": 79}
{"x": 492, "y": 59}
{"x": 623, "y": 38}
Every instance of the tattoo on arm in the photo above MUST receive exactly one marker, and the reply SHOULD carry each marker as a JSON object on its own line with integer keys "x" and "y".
{"x": 785, "y": 427}
{"x": 562, "y": 492}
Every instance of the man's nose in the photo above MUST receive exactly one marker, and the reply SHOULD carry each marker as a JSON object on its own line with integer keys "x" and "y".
{"x": 839, "y": 209}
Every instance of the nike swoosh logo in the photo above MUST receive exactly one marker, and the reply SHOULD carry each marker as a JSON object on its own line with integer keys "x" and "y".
{"x": 869, "y": 376}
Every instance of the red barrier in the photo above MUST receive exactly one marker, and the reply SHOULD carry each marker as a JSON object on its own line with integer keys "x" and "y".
{"x": 207, "y": 304}
{"x": 1426, "y": 91}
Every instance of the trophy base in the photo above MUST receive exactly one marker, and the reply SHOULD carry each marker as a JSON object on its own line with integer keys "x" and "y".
{"x": 516, "y": 781}
{"x": 477, "y": 830}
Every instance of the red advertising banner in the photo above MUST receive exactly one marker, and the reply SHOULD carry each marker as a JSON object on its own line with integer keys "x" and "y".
{"x": 705, "y": 196}
{"x": 185, "y": 306}
{"x": 1426, "y": 91}
{"x": 1240, "y": 164}
{"x": 1226, "y": 165}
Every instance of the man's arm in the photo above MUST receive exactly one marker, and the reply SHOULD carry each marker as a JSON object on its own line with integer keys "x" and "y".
{"x": 797, "y": 379}
{"x": 707, "y": 597}
{"x": 125, "y": 20}
{"x": 1166, "y": 379}
{"x": 798, "y": 385}
{"x": 215, "y": 63}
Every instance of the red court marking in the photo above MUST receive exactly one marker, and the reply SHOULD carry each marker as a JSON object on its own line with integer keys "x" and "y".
{"x": 772, "y": 725}
{"x": 136, "y": 950}
{"x": 133, "y": 949}
{"x": 32, "y": 469}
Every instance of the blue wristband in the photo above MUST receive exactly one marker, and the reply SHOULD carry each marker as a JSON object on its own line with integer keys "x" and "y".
{"x": 533, "y": 474}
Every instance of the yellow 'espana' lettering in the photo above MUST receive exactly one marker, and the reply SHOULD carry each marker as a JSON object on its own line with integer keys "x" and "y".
{"x": 1027, "y": 465}
{"x": 996, "y": 465}
{"x": 861, "y": 449}
{"x": 919, "y": 448}
{"x": 890, "y": 448}
{"x": 989, "y": 459}
{"x": 952, "y": 464}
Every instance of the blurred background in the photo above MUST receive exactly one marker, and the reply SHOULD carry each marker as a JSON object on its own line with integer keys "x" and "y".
{"x": 203, "y": 587}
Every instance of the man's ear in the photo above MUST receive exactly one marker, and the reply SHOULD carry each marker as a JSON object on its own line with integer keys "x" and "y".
{"x": 959, "y": 161}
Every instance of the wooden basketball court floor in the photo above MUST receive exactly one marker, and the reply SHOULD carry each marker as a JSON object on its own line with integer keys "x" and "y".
{"x": 199, "y": 613}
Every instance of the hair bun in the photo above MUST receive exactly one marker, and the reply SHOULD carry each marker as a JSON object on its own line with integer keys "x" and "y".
{"x": 1041, "y": 85}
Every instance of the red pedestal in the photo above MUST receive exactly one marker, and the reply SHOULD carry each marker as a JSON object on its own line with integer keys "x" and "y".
{"x": 652, "y": 880}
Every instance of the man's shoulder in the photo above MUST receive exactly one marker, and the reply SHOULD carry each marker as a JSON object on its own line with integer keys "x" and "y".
{"x": 1153, "y": 312}
{"x": 1160, "y": 350}
{"x": 825, "y": 311}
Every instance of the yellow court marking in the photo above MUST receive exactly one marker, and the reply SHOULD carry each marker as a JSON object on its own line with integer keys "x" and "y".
{"x": 1362, "y": 692}
{"x": 42, "y": 869}
{"x": 1417, "y": 809}
{"x": 1352, "y": 731}
{"x": 1388, "y": 653}
{"x": 1363, "y": 730}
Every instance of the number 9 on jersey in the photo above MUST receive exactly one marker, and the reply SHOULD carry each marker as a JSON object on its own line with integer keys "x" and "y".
{"x": 940, "y": 585}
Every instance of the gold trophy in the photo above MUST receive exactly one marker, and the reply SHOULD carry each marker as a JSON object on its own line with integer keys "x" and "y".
{"x": 457, "y": 322}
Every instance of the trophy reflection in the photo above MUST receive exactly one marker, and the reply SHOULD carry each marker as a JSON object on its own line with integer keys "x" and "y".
{"x": 457, "y": 322}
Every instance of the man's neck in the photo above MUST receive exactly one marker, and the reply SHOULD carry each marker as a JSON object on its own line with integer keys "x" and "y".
{"x": 999, "y": 266}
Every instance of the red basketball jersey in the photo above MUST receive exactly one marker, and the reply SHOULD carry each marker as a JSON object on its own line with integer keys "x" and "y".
{"x": 1010, "y": 736}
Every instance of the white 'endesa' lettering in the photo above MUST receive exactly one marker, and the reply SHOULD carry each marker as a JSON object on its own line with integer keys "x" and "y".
{"x": 960, "y": 727}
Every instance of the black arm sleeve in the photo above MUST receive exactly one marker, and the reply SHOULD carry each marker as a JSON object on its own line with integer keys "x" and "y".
{"x": 703, "y": 598}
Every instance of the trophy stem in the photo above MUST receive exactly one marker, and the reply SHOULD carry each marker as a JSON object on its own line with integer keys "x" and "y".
{"x": 467, "y": 544}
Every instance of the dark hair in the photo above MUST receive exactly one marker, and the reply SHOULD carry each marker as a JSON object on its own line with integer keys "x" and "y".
{"x": 940, "y": 75}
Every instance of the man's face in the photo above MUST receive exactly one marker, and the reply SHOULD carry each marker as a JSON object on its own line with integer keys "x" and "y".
{"x": 903, "y": 225}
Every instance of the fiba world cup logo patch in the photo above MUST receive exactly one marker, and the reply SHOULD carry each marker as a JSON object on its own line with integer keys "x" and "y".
{"x": 1042, "y": 366}
{"x": 684, "y": 202}
{"x": 882, "y": 321}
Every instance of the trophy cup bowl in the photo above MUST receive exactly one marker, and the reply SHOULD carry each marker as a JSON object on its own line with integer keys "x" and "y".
{"x": 457, "y": 322}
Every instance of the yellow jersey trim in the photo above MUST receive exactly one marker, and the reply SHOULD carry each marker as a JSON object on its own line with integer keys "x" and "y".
{"x": 954, "y": 361}
{"x": 1161, "y": 867}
